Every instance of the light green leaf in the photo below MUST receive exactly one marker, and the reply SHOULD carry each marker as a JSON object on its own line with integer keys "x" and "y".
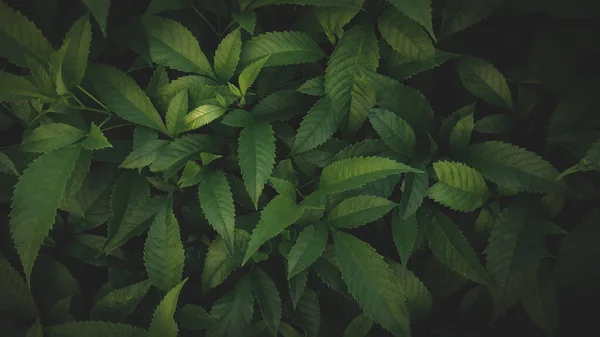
{"x": 414, "y": 190}
{"x": 56, "y": 69}
{"x": 393, "y": 130}
{"x": 359, "y": 210}
{"x": 221, "y": 261}
{"x": 202, "y": 115}
{"x": 513, "y": 167}
{"x": 7, "y": 166}
{"x": 163, "y": 324}
{"x": 173, "y": 46}
{"x": 280, "y": 105}
{"x": 143, "y": 135}
{"x": 450, "y": 122}
{"x": 256, "y": 157}
{"x": 280, "y": 213}
{"x": 99, "y": 9}
{"x": 333, "y": 19}
{"x": 348, "y": 174}
{"x": 157, "y": 6}
{"x": 176, "y": 113}
{"x": 17, "y": 88}
{"x": 359, "y": 326}
{"x": 484, "y": 81}
{"x": 76, "y": 57}
{"x": 95, "y": 139}
{"x": 15, "y": 297}
{"x": 237, "y": 118}
{"x": 451, "y": 248}
{"x": 194, "y": 317}
{"x": 246, "y": 20}
{"x": 125, "y": 98}
{"x": 190, "y": 175}
{"x": 372, "y": 283}
{"x": 267, "y": 296}
{"x": 462, "y": 14}
{"x": 309, "y": 246}
{"x": 95, "y": 329}
{"x": 175, "y": 155}
{"x": 20, "y": 38}
{"x": 191, "y": 83}
{"x": 460, "y": 187}
{"x": 345, "y": 83}
{"x": 163, "y": 252}
{"x": 314, "y": 87}
{"x": 144, "y": 155}
{"x": 119, "y": 303}
{"x": 319, "y": 124}
{"x": 404, "y": 233}
{"x": 249, "y": 74}
{"x": 284, "y": 48}
{"x": 160, "y": 78}
{"x": 405, "y": 36}
{"x": 233, "y": 311}
{"x": 417, "y": 10}
{"x": 49, "y": 137}
{"x": 29, "y": 229}
{"x": 418, "y": 298}
{"x": 227, "y": 55}
{"x": 460, "y": 136}
{"x": 216, "y": 201}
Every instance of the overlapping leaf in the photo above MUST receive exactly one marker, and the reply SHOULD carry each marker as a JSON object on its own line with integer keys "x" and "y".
{"x": 216, "y": 201}
{"x": 233, "y": 311}
{"x": 268, "y": 298}
{"x": 405, "y": 36}
{"x": 163, "y": 324}
{"x": 484, "y": 81}
{"x": 359, "y": 210}
{"x": 308, "y": 248}
{"x": 283, "y": 48}
{"x": 459, "y": 186}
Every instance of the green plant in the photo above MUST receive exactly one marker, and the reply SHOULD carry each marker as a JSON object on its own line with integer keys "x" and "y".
{"x": 297, "y": 167}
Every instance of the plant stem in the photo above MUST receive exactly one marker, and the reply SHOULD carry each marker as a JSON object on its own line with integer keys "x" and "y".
{"x": 93, "y": 98}
{"x": 104, "y": 122}
{"x": 82, "y": 107}
{"x": 205, "y": 20}
{"x": 117, "y": 126}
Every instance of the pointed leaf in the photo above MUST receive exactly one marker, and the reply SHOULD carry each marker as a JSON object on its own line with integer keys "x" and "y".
{"x": 246, "y": 20}
{"x": 297, "y": 284}
{"x": 17, "y": 88}
{"x": 484, "y": 81}
{"x": 319, "y": 124}
{"x": 414, "y": 190}
{"x": 99, "y": 9}
{"x": 237, "y": 118}
{"x": 357, "y": 211}
{"x": 233, "y": 311}
{"x": 15, "y": 297}
{"x": 7, "y": 166}
{"x": 76, "y": 57}
{"x": 202, "y": 115}
{"x": 194, "y": 317}
{"x": 309, "y": 246}
{"x": 49, "y": 137}
{"x": 418, "y": 298}
{"x": 280, "y": 105}
{"x": 405, "y": 36}
{"x": 227, "y": 55}
{"x": 95, "y": 139}
{"x": 163, "y": 324}
{"x": 417, "y": 10}
{"x": 216, "y": 201}
{"x": 177, "y": 153}
{"x": 308, "y": 313}
{"x": 116, "y": 305}
{"x": 460, "y": 136}
{"x": 359, "y": 326}
{"x": 333, "y": 19}
{"x": 460, "y": 187}
{"x": 221, "y": 261}
{"x": 404, "y": 232}
{"x": 267, "y": 296}
{"x": 314, "y": 86}
{"x": 393, "y": 130}
{"x": 284, "y": 48}
{"x": 178, "y": 108}
{"x": 249, "y": 74}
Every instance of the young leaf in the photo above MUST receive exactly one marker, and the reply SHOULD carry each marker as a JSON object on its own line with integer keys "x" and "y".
{"x": 227, "y": 55}
{"x": 123, "y": 96}
{"x": 216, "y": 201}
{"x": 163, "y": 252}
{"x": 159, "y": 80}
{"x": 95, "y": 329}
{"x": 459, "y": 187}
{"x": 404, "y": 233}
{"x": 20, "y": 38}
{"x": 359, "y": 326}
{"x": 462, "y": 14}
{"x": 256, "y": 157}
{"x": 267, "y": 296}
{"x": 417, "y": 10}
{"x": 372, "y": 283}
{"x": 393, "y": 130}
{"x": 308, "y": 248}
{"x": 513, "y": 167}
{"x": 348, "y": 174}
{"x": 246, "y": 20}
{"x": 119, "y": 303}
{"x": 222, "y": 261}
{"x": 418, "y": 298}
{"x": 452, "y": 249}
{"x": 76, "y": 57}
{"x": 14, "y": 293}
{"x": 178, "y": 108}
{"x": 202, "y": 115}
{"x": 17, "y": 88}
{"x": 333, "y": 19}
{"x": 318, "y": 125}
{"x": 280, "y": 213}
{"x": 95, "y": 139}
{"x": 99, "y": 9}
{"x": 29, "y": 229}
{"x": 284, "y": 48}
{"x": 249, "y": 74}
{"x": 314, "y": 86}
{"x": 345, "y": 83}
{"x": 144, "y": 155}
{"x": 357, "y": 211}
{"x": 484, "y": 81}
{"x": 233, "y": 311}
{"x": 405, "y": 36}
{"x": 172, "y": 45}
{"x": 49, "y": 137}
{"x": 163, "y": 324}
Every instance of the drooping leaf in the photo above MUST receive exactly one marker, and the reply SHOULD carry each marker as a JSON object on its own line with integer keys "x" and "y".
{"x": 176, "y": 113}
{"x": 116, "y": 305}
{"x": 216, "y": 201}
{"x": 393, "y": 130}
{"x": 99, "y": 9}
{"x": 96, "y": 329}
{"x": 49, "y": 137}
{"x": 405, "y": 36}
{"x": 227, "y": 55}
{"x": 402, "y": 67}
{"x": 459, "y": 186}
{"x": 76, "y": 57}
{"x": 30, "y": 228}
{"x": 417, "y": 10}
{"x": 221, "y": 261}
{"x": 308, "y": 248}
{"x": 256, "y": 157}
{"x": 357, "y": 211}
{"x": 233, "y": 311}
{"x": 359, "y": 326}
{"x": 95, "y": 140}
{"x": 15, "y": 297}
{"x": 372, "y": 283}
{"x": 591, "y": 161}
{"x": 484, "y": 81}
{"x": 283, "y": 48}
{"x": 462, "y": 14}
{"x": 163, "y": 324}
{"x": 404, "y": 232}
{"x": 268, "y": 298}
{"x": 202, "y": 115}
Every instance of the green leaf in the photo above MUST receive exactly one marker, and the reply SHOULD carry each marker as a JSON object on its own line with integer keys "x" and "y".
{"x": 246, "y": 20}
{"x": 357, "y": 211}
{"x": 163, "y": 252}
{"x": 280, "y": 213}
{"x": 459, "y": 187}
{"x": 250, "y": 72}
{"x": 414, "y": 190}
{"x": 233, "y": 311}
{"x": 177, "y": 153}
{"x": 451, "y": 248}
{"x": 95, "y": 139}
{"x": 284, "y": 48}
{"x": 56, "y": 69}
{"x": 497, "y": 123}
{"x": 202, "y": 115}
{"x": 462, "y": 14}
{"x": 17, "y": 88}
{"x": 372, "y": 283}
{"x": 309, "y": 246}
{"x": 163, "y": 324}
{"x": 221, "y": 261}
{"x": 49, "y": 137}
{"x": 319, "y": 124}
{"x": 345, "y": 83}
{"x": 157, "y": 6}
{"x": 82, "y": 166}
{"x": 123, "y": 96}
{"x": 484, "y": 81}
{"x": 237, "y": 118}
{"x": 417, "y": 10}
{"x": 404, "y": 233}
{"x": 279, "y": 105}
{"x": 20, "y": 38}
{"x": 256, "y": 157}
{"x": 15, "y": 297}
{"x": 145, "y": 155}
{"x": 216, "y": 201}
{"x": 393, "y": 130}
{"x": 297, "y": 284}
{"x": 176, "y": 113}
{"x": 450, "y": 122}
{"x": 173, "y": 46}
{"x": 359, "y": 326}
{"x": 88, "y": 248}
{"x": 227, "y": 55}
{"x": 119, "y": 303}
{"x": 513, "y": 167}
{"x": 40, "y": 77}
{"x": 76, "y": 57}
{"x": 96, "y": 185}
{"x": 29, "y": 229}
{"x": 95, "y": 329}
{"x": 418, "y": 298}
{"x": 460, "y": 136}
{"x": 7, "y": 166}
{"x": 308, "y": 313}
{"x": 35, "y": 330}
{"x": 314, "y": 87}
{"x": 405, "y": 36}
{"x": 348, "y": 174}
{"x": 333, "y": 19}
{"x": 591, "y": 161}
{"x": 267, "y": 296}
{"x": 99, "y": 9}
{"x": 402, "y": 67}
{"x": 194, "y": 317}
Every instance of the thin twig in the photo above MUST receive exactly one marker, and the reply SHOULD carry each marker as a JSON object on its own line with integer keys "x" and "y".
{"x": 205, "y": 20}
{"x": 117, "y": 126}
{"x": 93, "y": 98}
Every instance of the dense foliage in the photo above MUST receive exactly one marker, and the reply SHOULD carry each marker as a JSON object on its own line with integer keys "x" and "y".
{"x": 299, "y": 168}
